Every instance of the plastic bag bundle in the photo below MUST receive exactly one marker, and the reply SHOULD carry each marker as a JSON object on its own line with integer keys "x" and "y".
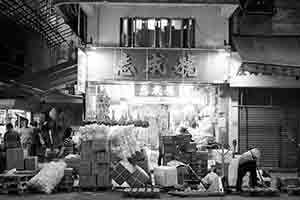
{"x": 93, "y": 131}
{"x": 125, "y": 140}
{"x": 49, "y": 177}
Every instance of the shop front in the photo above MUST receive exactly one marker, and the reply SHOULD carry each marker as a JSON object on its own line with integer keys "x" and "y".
{"x": 167, "y": 88}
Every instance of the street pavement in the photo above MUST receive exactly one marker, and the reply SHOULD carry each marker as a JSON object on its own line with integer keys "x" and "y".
{"x": 117, "y": 196}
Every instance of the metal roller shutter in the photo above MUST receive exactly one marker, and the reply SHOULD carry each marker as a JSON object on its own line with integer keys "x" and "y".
{"x": 290, "y": 130}
{"x": 260, "y": 127}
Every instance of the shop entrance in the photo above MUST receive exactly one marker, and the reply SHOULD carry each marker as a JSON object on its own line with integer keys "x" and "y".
{"x": 166, "y": 106}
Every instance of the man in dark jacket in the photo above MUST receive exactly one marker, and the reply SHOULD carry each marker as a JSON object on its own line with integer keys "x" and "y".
{"x": 12, "y": 139}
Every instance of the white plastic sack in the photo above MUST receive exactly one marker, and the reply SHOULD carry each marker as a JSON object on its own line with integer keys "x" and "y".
{"x": 246, "y": 180}
{"x": 152, "y": 158}
{"x": 49, "y": 177}
{"x": 213, "y": 180}
{"x": 233, "y": 172}
{"x": 175, "y": 163}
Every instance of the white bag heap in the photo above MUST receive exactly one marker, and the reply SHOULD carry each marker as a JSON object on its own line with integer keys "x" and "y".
{"x": 49, "y": 177}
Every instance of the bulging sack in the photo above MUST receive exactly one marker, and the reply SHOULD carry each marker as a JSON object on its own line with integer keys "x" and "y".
{"x": 49, "y": 177}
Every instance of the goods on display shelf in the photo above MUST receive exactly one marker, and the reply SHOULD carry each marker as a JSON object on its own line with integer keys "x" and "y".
{"x": 108, "y": 122}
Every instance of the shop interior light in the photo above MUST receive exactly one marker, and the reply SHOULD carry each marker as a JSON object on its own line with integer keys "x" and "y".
{"x": 157, "y": 90}
{"x": 170, "y": 90}
{"x": 144, "y": 91}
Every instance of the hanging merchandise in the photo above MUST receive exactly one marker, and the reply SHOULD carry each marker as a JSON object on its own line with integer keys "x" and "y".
{"x": 103, "y": 104}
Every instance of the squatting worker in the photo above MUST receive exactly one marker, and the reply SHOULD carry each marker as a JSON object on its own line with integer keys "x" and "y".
{"x": 12, "y": 139}
{"x": 248, "y": 162}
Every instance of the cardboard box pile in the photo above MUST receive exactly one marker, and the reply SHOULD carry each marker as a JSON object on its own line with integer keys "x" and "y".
{"x": 94, "y": 170}
{"x": 181, "y": 148}
{"x": 15, "y": 160}
{"x": 67, "y": 181}
{"x": 31, "y": 163}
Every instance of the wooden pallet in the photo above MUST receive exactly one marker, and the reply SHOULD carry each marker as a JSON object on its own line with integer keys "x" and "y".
{"x": 94, "y": 189}
{"x": 260, "y": 193}
{"x": 142, "y": 192}
{"x": 293, "y": 191}
{"x": 16, "y": 188}
{"x": 14, "y": 183}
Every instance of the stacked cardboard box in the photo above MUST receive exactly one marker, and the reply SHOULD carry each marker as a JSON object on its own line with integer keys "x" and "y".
{"x": 31, "y": 163}
{"x": 94, "y": 167}
{"x": 67, "y": 181}
{"x": 15, "y": 159}
{"x": 181, "y": 148}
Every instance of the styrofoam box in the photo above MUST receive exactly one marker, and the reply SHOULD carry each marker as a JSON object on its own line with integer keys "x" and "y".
{"x": 165, "y": 176}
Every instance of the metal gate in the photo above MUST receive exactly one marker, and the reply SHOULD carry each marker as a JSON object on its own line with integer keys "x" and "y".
{"x": 260, "y": 127}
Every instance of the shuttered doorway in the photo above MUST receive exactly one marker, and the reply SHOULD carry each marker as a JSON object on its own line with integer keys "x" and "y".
{"x": 260, "y": 127}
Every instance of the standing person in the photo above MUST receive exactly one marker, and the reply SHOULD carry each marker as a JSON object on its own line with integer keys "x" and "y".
{"x": 12, "y": 139}
{"x": 26, "y": 137}
{"x": 38, "y": 143}
{"x": 248, "y": 163}
{"x": 68, "y": 145}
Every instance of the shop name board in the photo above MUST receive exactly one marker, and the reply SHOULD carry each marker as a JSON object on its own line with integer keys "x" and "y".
{"x": 82, "y": 71}
{"x": 157, "y": 65}
{"x": 156, "y": 90}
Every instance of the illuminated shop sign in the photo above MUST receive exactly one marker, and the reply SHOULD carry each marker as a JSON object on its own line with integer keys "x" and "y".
{"x": 156, "y": 90}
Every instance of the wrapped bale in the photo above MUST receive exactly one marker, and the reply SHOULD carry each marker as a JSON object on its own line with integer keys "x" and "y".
{"x": 165, "y": 176}
{"x": 49, "y": 177}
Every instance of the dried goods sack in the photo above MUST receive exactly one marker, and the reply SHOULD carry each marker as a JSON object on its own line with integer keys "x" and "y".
{"x": 49, "y": 177}
{"x": 233, "y": 172}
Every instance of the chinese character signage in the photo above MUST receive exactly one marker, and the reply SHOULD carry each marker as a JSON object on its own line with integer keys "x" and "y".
{"x": 156, "y": 90}
{"x": 158, "y": 65}
{"x": 82, "y": 71}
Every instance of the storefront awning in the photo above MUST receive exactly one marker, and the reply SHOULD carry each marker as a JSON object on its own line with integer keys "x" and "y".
{"x": 62, "y": 74}
{"x": 55, "y": 96}
{"x": 270, "y": 69}
{"x": 269, "y": 50}
{"x": 269, "y": 55}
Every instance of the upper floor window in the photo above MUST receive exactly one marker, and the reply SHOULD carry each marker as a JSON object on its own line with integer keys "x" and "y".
{"x": 157, "y": 32}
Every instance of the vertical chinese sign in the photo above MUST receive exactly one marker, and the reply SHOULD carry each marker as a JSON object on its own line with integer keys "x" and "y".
{"x": 82, "y": 71}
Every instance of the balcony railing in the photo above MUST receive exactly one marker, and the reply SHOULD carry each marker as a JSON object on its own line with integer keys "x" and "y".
{"x": 39, "y": 16}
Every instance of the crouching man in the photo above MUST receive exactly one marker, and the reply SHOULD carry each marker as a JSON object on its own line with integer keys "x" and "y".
{"x": 248, "y": 162}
